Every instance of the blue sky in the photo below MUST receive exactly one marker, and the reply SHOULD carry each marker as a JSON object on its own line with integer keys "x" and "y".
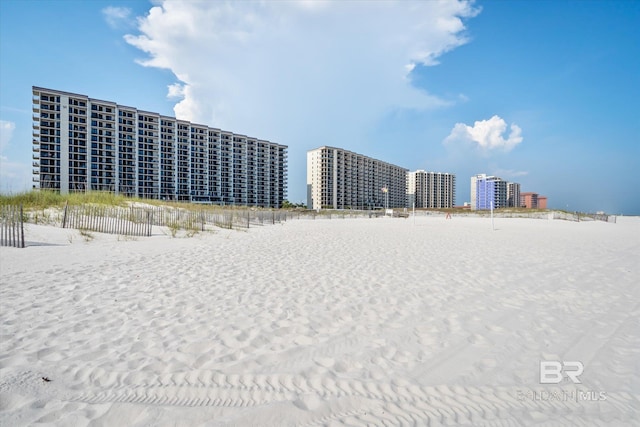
{"x": 544, "y": 93}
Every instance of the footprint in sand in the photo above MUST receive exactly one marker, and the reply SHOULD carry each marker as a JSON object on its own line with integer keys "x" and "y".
{"x": 309, "y": 402}
{"x": 325, "y": 362}
{"x": 477, "y": 339}
{"x": 303, "y": 340}
{"x": 49, "y": 355}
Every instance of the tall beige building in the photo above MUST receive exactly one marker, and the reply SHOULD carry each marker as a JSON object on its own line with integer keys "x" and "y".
{"x": 431, "y": 189}
{"x": 341, "y": 179}
{"x": 84, "y": 144}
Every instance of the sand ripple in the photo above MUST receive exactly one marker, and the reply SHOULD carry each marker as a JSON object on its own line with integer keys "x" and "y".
{"x": 350, "y": 322}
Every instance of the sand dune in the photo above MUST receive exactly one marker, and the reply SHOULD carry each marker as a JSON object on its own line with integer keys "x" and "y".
{"x": 324, "y": 322}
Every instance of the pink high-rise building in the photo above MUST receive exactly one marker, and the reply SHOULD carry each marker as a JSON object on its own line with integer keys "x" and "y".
{"x": 542, "y": 202}
{"x": 533, "y": 201}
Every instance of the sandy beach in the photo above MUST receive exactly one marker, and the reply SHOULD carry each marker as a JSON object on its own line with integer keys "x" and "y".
{"x": 358, "y": 322}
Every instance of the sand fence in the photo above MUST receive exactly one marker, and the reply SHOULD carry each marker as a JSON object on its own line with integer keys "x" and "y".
{"x": 130, "y": 221}
{"x": 12, "y": 226}
{"x": 522, "y": 213}
{"x": 139, "y": 220}
{"x": 199, "y": 219}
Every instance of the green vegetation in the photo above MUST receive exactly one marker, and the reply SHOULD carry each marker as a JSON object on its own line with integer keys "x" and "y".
{"x": 40, "y": 199}
{"x": 85, "y": 233}
{"x": 173, "y": 226}
{"x": 96, "y": 211}
{"x": 288, "y": 205}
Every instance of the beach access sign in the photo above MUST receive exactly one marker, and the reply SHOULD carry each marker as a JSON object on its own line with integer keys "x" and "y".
{"x": 553, "y": 371}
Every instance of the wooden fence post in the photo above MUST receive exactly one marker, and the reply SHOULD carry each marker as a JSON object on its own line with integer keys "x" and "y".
{"x": 2, "y": 225}
{"x": 12, "y": 227}
{"x": 21, "y": 227}
{"x": 64, "y": 216}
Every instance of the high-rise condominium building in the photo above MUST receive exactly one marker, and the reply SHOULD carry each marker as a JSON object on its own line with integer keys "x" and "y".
{"x": 84, "y": 144}
{"x": 488, "y": 192}
{"x": 341, "y": 179}
{"x": 431, "y": 189}
{"x": 533, "y": 201}
{"x": 513, "y": 194}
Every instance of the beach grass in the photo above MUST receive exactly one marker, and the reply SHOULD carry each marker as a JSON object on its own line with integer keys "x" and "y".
{"x": 41, "y": 199}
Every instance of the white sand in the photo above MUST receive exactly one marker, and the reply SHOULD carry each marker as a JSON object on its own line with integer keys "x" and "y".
{"x": 325, "y": 322}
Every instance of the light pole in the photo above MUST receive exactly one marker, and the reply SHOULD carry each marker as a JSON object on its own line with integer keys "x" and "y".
{"x": 385, "y": 190}
{"x": 386, "y": 199}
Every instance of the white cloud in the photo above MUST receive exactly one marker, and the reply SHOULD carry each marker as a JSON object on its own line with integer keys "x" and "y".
{"x": 117, "y": 16}
{"x": 290, "y": 70}
{"x": 486, "y": 134}
{"x": 510, "y": 173}
{"x": 176, "y": 90}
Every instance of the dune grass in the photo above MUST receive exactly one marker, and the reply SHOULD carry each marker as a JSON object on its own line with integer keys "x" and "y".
{"x": 41, "y": 199}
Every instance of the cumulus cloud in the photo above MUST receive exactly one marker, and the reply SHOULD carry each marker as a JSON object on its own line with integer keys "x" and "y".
{"x": 176, "y": 90}
{"x": 487, "y": 134}
{"x": 117, "y": 16}
{"x": 272, "y": 68}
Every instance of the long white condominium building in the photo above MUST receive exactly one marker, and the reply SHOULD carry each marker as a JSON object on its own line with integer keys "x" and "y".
{"x": 84, "y": 144}
{"x": 341, "y": 179}
{"x": 431, "y": 189}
